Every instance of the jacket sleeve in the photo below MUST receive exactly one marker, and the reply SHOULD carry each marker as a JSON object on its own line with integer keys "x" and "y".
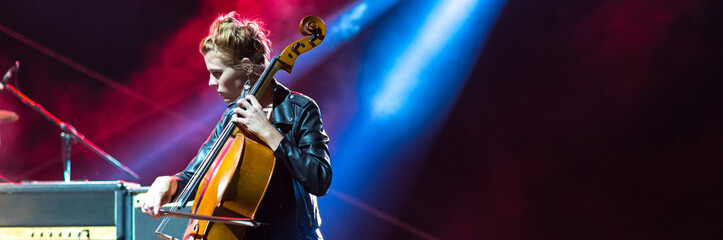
{"x": 308, "y": 160}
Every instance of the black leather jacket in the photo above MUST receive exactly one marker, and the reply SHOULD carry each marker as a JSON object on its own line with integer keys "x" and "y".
{"x": 302, "y": 169}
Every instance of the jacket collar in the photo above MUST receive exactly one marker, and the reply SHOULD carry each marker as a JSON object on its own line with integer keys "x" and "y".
{"x": 282, "y": 113}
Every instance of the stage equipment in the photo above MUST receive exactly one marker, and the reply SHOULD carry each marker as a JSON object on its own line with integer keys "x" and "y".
{"x": 78, "y": 210}
{"x": 69, "y": 134}
{"x": 65, "y": 210}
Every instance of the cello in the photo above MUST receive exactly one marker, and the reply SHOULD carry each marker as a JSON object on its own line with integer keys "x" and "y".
{"x": 232, "y": 179}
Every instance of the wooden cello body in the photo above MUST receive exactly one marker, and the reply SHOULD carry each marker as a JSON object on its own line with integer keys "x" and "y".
{"x": 233, "y": 187}
{"x": 232, "y": 180}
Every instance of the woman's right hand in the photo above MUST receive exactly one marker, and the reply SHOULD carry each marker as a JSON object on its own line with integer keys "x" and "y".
{"x": 158, "y": 194}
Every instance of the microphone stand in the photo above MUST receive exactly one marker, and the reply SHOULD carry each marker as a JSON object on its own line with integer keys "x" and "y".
{"x": 69, "y": 135}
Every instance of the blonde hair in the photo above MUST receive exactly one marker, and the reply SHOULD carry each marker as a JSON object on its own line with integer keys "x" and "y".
{"x": 235, "y": 38}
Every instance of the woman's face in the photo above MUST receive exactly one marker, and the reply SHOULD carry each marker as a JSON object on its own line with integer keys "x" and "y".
{"x": 227, "y": 81}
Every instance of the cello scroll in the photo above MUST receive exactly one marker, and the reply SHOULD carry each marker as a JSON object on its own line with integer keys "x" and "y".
{"x": 315, "y": 29}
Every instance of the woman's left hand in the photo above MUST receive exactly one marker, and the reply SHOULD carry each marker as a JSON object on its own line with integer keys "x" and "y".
{"x": 252, "y": 116}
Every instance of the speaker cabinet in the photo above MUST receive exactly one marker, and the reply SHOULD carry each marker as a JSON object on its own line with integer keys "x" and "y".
{"x": 79, "y": 210}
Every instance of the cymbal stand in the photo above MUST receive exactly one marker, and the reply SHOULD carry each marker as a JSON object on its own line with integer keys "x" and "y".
{"x": 69, "y": 135}
{"x": 68, "y": 140}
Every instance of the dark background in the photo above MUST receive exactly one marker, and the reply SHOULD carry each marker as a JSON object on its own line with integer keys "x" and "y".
{"x": 580, "y": 120}
{"x": 584, "y": 120}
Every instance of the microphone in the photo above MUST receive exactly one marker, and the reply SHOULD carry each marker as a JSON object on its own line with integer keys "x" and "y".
{"x": 10, "y": 72}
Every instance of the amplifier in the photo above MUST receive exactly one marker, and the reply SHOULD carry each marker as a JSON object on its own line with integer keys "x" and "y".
{"x": 65, "y": 210}
{"x": 24, "y": 233}
{"x": 78, "y": 210}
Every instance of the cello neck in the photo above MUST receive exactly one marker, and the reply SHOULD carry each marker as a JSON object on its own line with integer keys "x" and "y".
{"x": 263, "y": 82}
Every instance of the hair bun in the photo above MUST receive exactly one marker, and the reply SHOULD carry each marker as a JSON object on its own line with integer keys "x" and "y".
{"x": 236, "y": 38}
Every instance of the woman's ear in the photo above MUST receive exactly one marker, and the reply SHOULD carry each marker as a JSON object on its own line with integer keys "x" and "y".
{"x": 246, "y": 61}
{"x": 248, "y": 66}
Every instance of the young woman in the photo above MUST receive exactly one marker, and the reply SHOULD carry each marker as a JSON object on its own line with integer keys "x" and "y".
{"x": 236, "y": 51}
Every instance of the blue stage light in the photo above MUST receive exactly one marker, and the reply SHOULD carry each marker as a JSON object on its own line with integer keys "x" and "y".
{"x": 413, "y": 68}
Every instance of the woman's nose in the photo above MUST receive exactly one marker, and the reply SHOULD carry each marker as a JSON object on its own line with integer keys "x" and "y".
{"x": 212, "y": 82}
